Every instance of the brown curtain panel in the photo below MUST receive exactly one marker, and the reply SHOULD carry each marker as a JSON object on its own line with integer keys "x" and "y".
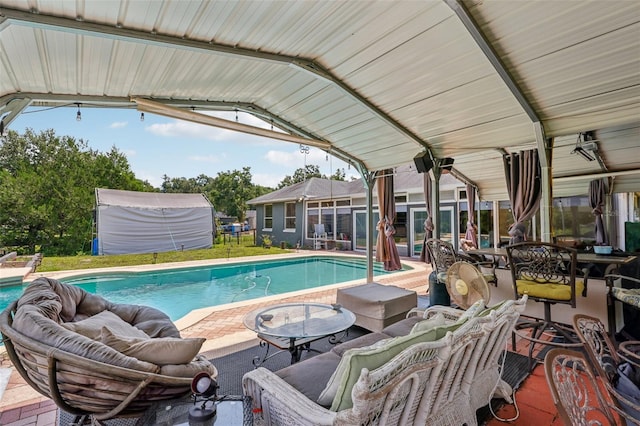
{"x": 523, "y": 175}
{"x": 386, "y": 250}
{"x": 472, "y": 230}
{"x": 428, "y": 223}
{"x": 598, "y": 189}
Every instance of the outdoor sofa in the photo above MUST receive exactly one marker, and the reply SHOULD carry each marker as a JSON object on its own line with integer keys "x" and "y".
{"x": 435, "y": 368}
{"x": 97, "y": 358}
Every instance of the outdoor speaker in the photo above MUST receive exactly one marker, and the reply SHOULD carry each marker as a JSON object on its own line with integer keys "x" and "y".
{"x": 423, "y": 162}
{"x": 446, "y": 164}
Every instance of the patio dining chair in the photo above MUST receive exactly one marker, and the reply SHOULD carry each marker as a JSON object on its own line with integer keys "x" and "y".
{"x": 575, "y": 390}
{"x": 547, "y": 273}
{"x": 628, "y": 296}
{"x": 611, "y": 364}
{"x": 443, "y": 255}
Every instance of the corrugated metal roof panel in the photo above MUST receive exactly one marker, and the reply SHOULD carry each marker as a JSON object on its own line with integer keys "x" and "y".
{"x": 391, "y": 76}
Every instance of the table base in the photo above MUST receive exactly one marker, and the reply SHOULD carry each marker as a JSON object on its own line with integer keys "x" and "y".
{"x": 295, "y": 346}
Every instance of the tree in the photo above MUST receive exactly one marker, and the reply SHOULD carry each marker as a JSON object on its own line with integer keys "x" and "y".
{"x": 300, "y": 175}
{"x": 47, "y": 190}
{"x": 231, "y": 190}
{"x": 311, "y": 170}
{"x": 338, "y": 175}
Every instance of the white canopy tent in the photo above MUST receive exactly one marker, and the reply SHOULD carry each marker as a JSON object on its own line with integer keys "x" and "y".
{"x": 151, "y": 222}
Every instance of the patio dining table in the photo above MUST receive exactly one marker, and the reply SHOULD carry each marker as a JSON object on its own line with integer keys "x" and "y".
{"x": 613, "y": 261}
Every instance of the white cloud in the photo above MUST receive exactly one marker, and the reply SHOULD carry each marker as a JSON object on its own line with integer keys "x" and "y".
{"x": 118, "y": 124}
{"x": 129, "y": 152}
{"x": 186, "y": 129}
{"x": 283, "y": 158}
{"x": 266, "y": 179}
{"x": 152, "y": 178}
{"x": 295, "y": 159}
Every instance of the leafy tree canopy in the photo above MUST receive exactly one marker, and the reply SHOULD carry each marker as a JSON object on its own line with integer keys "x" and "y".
{"x": 229, "y": 191}
{"x": 47, "y": 189}
{"x": 311, "y": 170}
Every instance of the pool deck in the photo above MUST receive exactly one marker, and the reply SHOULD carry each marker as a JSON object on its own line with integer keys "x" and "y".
{"x": 222, "y": 326}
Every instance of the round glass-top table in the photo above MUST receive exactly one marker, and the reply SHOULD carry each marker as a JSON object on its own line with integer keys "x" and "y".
{"x": 293, "y": 326}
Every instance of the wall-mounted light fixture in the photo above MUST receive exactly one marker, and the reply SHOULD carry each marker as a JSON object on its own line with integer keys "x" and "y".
{"x": 142, "y": 116}
{"x": 78, "y": 114}
{"x": 586, "y": 146}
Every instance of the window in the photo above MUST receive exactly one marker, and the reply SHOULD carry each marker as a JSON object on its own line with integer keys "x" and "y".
{"x": 290, "y": 216}
{"x": 313, "y": 218}
{"x": 573, "y": 219}
{"x": 268, "y": 216}
{"x": 334, "y": 215}
{"x": 400, "y": 224}
{"x": 343, "y": 219}
{"x": 327, "y": 219}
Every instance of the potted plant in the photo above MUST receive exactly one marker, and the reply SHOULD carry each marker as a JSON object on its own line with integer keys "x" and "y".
{"x": 266, "y": 241}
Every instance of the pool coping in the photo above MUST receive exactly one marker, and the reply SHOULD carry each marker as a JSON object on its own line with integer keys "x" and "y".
{"x": 197, "y": 315}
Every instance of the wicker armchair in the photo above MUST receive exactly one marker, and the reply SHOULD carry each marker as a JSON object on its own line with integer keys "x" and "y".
{"x": 85, "y": 377}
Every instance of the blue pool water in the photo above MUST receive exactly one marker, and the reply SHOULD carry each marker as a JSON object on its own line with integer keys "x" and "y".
{"x": 179, "y": 291}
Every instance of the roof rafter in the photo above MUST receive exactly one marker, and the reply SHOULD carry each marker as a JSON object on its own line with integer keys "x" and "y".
{"x": 79, "y": 26}
{"x": 46, "y": 99}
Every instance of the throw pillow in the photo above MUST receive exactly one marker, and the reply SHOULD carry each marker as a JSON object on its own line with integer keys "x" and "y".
{"x": 92, "y": 326}
{"x": 338, "y": 390}
{"x": 428, "y": 324}
{"x": 159, "y": 351}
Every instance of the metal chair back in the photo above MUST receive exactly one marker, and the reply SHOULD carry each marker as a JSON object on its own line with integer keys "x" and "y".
{"x": 574, "y": 389}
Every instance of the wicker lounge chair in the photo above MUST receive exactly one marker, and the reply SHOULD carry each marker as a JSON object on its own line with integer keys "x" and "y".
{"x": 84, "y": 376}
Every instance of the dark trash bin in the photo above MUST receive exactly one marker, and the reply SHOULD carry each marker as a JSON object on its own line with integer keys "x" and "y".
{"x": 438, "y": 294}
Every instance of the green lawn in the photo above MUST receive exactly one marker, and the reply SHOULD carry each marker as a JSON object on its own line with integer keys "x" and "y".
{"x": 218, "y": 252}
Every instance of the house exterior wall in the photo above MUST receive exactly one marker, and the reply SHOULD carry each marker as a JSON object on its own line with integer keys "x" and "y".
{"x": 278, "y": 233}
{"x": 292, "y": 238}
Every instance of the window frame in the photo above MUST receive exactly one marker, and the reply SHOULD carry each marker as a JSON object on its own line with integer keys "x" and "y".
{"x": 267, "y": 218}
{"x": 287, "y": 218}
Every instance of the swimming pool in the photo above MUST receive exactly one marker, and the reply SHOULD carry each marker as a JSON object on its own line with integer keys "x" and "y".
{"x": 179, "y": 291}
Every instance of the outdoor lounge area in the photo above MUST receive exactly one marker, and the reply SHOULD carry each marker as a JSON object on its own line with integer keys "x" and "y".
{"x": 505, "y": 131}
{"x": 235, "y": 348}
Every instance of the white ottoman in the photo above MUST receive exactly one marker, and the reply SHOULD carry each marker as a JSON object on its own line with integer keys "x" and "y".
{"x": 377, "y": 306}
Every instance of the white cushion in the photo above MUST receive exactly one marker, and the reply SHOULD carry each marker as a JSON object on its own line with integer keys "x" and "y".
{"x": 428, "y": 324}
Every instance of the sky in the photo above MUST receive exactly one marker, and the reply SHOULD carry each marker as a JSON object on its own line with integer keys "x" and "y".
{"x": 161, "y": 146}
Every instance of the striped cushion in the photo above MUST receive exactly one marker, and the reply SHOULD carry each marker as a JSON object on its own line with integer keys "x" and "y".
{"x": 627, "y": 295}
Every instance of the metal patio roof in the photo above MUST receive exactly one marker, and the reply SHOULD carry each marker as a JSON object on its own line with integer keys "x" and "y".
{"x": 373, "y": 82}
